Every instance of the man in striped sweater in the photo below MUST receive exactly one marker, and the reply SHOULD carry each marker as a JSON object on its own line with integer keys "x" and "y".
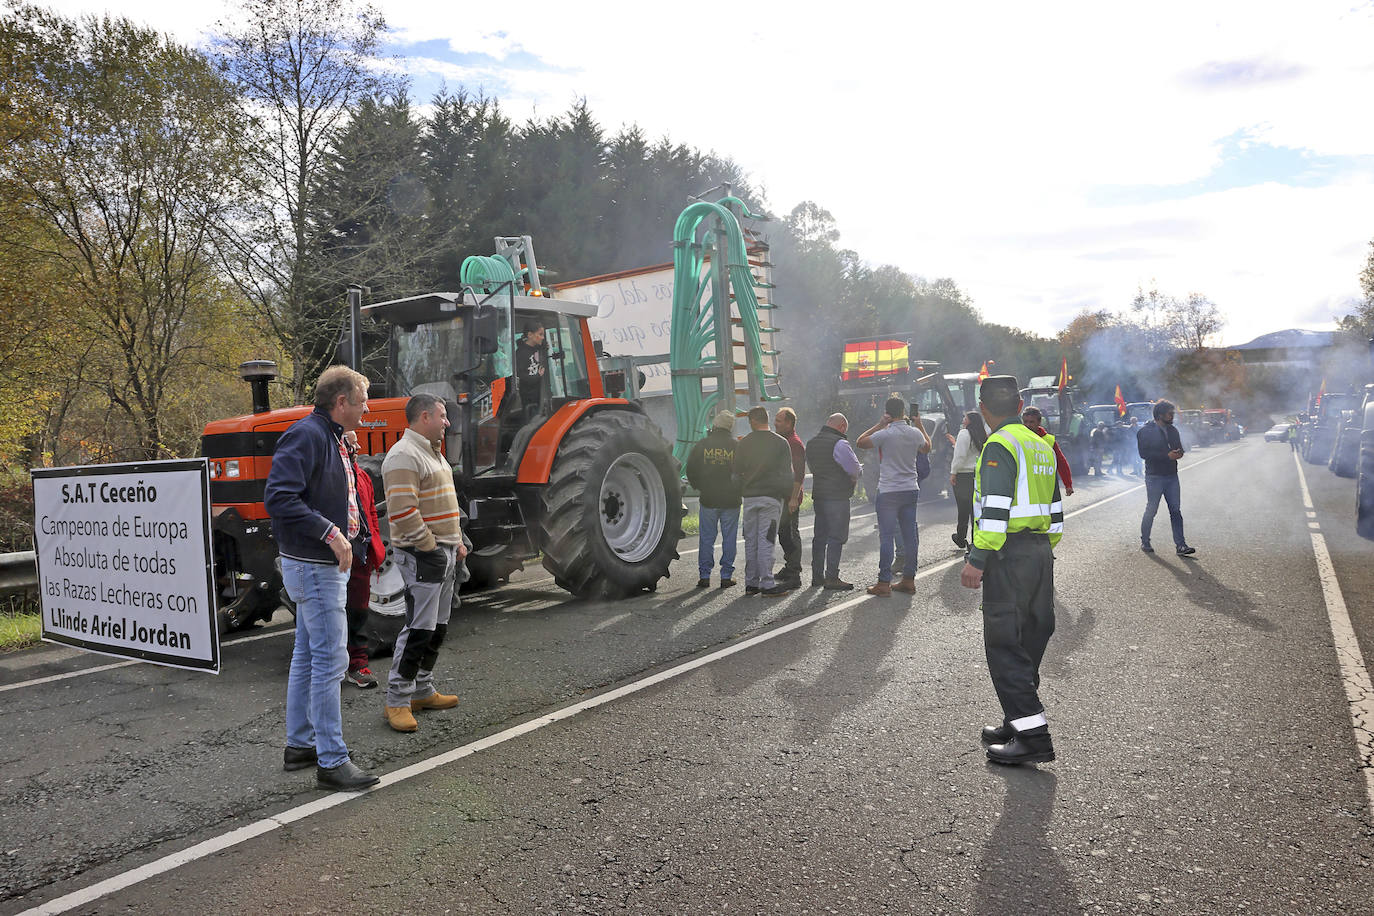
{"x": 427, "y": 546}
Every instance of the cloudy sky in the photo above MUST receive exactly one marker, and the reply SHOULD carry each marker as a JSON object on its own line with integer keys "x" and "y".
{"x": 1047, "y": 157}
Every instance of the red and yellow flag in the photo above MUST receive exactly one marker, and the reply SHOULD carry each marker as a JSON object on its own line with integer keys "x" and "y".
{"x": 1063, "y": 373}
{"x": 1120, "y": 402}
{"x": 983, "y": 372}
{"x": 875, "y": 359}
{"x": 1321, "y": 391}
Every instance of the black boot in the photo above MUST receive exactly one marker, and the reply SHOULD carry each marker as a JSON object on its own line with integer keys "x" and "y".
{"x": 997, "y": 734}
{"x": 1025, "y": 747}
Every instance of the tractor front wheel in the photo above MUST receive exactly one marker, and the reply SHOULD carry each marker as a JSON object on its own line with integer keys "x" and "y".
{"x": 612, "y": 510}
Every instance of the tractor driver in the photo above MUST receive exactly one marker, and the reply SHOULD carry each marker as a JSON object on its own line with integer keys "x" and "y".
{"x": 531, "y": 357}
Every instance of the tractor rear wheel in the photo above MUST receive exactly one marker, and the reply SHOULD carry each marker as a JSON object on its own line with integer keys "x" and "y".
{"x": 612, "y": 510}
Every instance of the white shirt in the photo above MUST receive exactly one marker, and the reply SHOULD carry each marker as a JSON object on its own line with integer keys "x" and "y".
{"x": 965, "y": 460}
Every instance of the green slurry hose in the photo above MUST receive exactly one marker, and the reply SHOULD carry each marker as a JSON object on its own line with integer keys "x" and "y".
{"x": 486, "y": 272}
{"x": 694, "y": 323}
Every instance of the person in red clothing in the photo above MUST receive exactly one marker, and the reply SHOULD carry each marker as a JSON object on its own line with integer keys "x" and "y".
{"x": 1032, "y": 417}
{"x": 360, "y": 580}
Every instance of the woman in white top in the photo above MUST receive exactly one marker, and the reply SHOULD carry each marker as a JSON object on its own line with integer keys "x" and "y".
{"x": 972, "y": 435}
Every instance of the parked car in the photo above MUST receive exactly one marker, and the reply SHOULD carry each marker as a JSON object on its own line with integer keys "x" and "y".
{"x": 1277, "y": 433}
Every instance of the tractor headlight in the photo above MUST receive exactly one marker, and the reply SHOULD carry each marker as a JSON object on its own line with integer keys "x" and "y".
{"x": 231, "y": 468}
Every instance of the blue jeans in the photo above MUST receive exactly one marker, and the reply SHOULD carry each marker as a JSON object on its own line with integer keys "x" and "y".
{"x": 828, "y": 537}
{"x": 727, "y": 520}
{"x": 897, "y": 519}
{"x": 318, "y": 662}
{"x": 1166, "y": 485}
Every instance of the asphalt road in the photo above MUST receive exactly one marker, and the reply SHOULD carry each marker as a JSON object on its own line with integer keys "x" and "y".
{"x": 1207, "y": 760}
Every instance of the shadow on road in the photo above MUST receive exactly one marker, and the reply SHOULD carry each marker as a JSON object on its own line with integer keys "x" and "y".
{"x": 1072, "y": 626}
{"x": 954, "y": 599}
{"x": 855, "y": 672}
{"x": 1205, "y": 591}
{"x": 1019, "y": 871}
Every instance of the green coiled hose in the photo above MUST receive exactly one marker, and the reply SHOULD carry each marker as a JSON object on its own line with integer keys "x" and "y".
{"x": 693, "y": 328}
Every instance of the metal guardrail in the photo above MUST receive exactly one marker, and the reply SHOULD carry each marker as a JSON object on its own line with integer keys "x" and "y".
{"x": 18, "y": 572}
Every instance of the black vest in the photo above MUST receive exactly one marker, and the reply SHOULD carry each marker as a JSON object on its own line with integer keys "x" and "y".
{"x": 828, "y": 479}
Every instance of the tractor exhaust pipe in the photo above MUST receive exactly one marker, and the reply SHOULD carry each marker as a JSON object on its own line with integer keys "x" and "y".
{"x": 258, "y": 373}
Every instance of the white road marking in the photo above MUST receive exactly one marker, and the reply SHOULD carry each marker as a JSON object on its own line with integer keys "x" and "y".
{"x": 1354, "y": 674}
{"x": 286, "y": 631}
{"x": 266, "y": 825}
{"x": 610, "y": 622}
{"x": 136, "y": 661}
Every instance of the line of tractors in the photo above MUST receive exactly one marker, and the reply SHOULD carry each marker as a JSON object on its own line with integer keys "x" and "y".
{"x": 1337, "y": 430}
{"x": 944, "y": 397}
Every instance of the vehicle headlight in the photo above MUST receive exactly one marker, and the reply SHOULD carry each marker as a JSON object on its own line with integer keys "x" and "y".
{"x": 231, "y": 468}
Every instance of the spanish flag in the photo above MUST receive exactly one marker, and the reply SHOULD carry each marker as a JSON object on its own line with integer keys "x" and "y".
{"x": 1321, "y": 391}
{"x": 983, "y": 373}
{"x": 875, "y": 359}
{"x": 1120, "y": 402}
{"x": 1063, "y": 373}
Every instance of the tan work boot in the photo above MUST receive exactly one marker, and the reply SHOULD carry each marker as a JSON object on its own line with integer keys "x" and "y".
{"x": 907, "y": 585}
{"x": 881, "y": 590}
{"x": 400, "y": 718}
{"x": 435, "y": 701}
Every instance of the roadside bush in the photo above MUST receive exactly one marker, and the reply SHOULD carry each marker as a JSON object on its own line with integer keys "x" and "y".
{"x": 16, "y": 514}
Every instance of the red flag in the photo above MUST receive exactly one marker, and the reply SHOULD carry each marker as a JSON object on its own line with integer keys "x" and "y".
{"x": 1063, "y": 373}
{"x": 1120, "y": 402}
{"x": 1321, "y": 391}
{"x": 983, "y": 372}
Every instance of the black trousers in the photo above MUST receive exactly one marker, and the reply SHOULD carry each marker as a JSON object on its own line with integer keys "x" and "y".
{"x": 1018, "y": 620}
{"x": 963, "y": 498}
{"x": 789, "y": 536}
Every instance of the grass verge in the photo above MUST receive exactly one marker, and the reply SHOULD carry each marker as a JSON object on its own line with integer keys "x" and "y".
{"x": 20, "y": 623}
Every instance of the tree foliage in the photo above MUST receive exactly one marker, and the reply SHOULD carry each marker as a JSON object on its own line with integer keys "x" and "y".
{"x": 1360, "y": 323}
{"x": 114, "y": 201}
{"x": 301, "y": 68}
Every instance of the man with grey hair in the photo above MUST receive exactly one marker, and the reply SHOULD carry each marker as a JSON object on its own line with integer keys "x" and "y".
{"x": 834, "y": 472}
{"x": 426, "y": 532}
{"x": 312, "y": 498}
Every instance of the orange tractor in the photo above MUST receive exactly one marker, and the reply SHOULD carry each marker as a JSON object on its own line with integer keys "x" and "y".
{"x": 584, "y": 481}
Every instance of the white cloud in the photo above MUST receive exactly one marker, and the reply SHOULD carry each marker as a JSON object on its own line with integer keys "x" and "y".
{"x": 964, "y": 140}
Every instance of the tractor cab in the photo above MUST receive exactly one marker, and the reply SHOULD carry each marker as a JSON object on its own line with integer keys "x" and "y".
{"x": 544, "y": 464}
{"x": 503, "y": 362}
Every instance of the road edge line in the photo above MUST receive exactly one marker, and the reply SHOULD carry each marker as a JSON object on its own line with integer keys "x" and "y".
{"x": 1354, "y": 674}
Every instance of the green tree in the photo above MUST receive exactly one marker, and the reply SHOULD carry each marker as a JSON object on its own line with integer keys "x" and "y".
{"x": 117, "y": 199}
{"x": 301, "y": 66}
{"x": 372, "y": 206}
{"x": 1360, "y": 323}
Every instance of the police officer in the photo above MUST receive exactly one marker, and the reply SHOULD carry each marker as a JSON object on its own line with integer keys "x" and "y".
{"x": 1018, "y": 519}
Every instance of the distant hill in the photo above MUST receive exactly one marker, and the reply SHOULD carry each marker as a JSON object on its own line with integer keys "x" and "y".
{"x": 1293, "y": 338}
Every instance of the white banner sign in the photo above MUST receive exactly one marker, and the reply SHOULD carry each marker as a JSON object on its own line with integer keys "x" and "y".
{"x": 124, "y": 561}
{"x": 633, "y": 317}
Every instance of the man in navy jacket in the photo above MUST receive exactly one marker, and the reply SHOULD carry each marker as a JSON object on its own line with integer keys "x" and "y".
{"x": 312, "y": 498}
{"x": 1161, "y": 446}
